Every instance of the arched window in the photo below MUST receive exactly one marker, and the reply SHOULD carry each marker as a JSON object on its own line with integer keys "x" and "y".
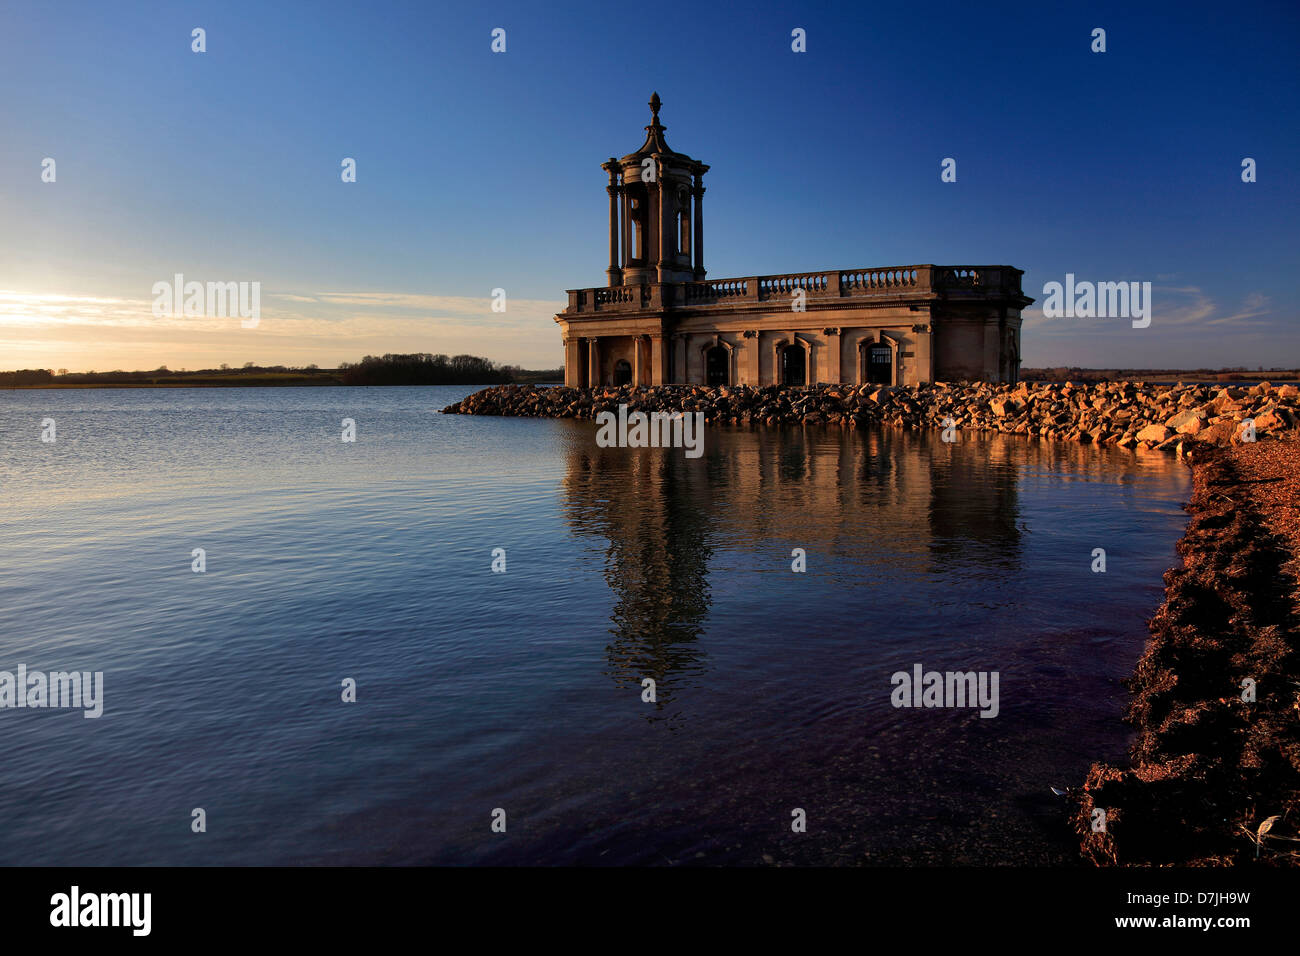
{"x": 717, "y": 366}
{"x": 880, "y": 364}
{"x": 794, "y": 364}
{"x": 638, "y": 252}
{"x": 684, "y": 222}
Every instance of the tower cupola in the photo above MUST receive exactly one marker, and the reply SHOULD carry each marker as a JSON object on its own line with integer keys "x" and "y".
{"x": 656, "y": 198}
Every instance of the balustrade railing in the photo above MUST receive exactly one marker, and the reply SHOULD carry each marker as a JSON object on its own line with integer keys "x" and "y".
{"x": 618, "y": 293}
{"x": 961, "y": 277}
{"x": 866, "y": 281}
{"x": 853, "y": 283}
{"x": 716, "y": 289}
{"x": 813, "y": 283}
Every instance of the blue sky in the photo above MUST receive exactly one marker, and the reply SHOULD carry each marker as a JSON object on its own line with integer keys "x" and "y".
{"x": 478, "y": 170}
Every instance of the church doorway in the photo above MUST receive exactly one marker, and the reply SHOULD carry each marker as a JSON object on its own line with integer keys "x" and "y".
{"x": 794, "y": 363}
{"x": 622, "y": 372}
{"x": 716, "y": 361}
{"x": 880, "y": 365}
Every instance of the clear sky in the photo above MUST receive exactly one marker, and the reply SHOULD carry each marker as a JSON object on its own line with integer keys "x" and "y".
{"x": 479, "y": 170}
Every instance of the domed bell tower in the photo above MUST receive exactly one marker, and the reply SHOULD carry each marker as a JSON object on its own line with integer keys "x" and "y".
{"x": 656, "y": 199}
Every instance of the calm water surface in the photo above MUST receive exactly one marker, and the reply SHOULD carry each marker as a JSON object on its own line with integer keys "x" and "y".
{"x": 371, "y": 560}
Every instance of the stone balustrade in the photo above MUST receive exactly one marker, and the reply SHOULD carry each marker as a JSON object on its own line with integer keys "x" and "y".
{"x": 925, "y": 280}
{"x": 616, "y": 295}
{"x": 720, "y": 289}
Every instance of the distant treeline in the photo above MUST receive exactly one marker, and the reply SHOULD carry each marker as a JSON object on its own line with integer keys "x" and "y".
{"x": 1075, "y": 374}
{"x": 417, "y": 369}
{"x": 421, "y": 368}
{"x": 27, "y": 376}
{"x": 250, "y": 374}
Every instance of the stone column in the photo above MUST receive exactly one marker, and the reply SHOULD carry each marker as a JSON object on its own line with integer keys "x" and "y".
{"x": 749, "y": 357}
{"x": 636, "y": 360}
{"x": 658, "y": 361}
{"x": 625, "y": 203}
{"x": 992, "y": 349}
{"x": 697, "y": 223}
{"x": 663, "y": 225}
{"x": 834, "y": 375}
{"x": 894, "y": 341}
{"x": 572, "y": 357}
{"x": 923, "y": 345}
{"x": 593, "y": 362}
{"x": 679, "y": 358}
{"x": 614, "y": 273}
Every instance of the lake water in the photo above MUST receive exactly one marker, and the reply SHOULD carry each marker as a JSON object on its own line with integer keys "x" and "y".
{"x": 371, "y": 560}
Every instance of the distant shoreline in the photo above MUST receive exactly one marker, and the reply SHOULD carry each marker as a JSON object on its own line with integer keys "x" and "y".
{"x": 1194, "y": 376}
{"x": 84, "y": 385}
{"x": 419, "y": 368}
{"x": 326, "y": 384}
{"x": 392, "y": 373}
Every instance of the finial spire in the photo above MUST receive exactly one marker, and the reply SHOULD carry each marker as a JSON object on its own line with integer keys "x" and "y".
{"x": 655, "y": 103}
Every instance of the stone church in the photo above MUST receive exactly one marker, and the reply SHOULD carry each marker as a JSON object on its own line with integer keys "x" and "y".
{"x": 660, "y": 320}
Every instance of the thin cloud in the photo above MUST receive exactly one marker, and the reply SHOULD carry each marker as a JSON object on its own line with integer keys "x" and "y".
{"x": 322, "y": 326}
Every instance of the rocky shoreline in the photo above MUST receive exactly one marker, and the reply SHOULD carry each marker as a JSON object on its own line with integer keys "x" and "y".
{"x": 1215, "y": 775}
{"x": 1126, "y": 414}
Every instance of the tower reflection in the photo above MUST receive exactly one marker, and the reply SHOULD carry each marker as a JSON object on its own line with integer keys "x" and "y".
{"x": 853, "y": 500}
{"x": 653, "y": 508}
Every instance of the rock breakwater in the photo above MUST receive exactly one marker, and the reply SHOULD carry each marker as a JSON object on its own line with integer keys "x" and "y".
{"x": 1127, "y": 414}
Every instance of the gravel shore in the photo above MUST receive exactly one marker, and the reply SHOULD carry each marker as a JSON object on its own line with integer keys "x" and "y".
{"x": 1214, "y": 777}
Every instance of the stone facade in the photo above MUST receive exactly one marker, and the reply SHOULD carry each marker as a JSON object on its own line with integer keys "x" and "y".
{"x": 660, "y": 320}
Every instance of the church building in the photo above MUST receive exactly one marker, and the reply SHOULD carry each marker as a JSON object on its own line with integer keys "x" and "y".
{"x": 660, "y": 320}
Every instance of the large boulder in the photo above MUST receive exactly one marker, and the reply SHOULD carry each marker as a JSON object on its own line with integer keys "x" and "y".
{"x": 1154, "y": 433}
{"x": 1275, "y": 419}
{"x": 1188, "y": 422}
{"x": 1004, "y": 405}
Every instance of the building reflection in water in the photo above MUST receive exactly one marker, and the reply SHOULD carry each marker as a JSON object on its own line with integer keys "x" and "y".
{"x": 653, "y": 507}
{"x": 854, "y": 500}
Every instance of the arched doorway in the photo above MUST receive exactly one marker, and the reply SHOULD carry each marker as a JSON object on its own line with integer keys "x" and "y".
{"x": 794, "y": 365}
{"x": 716, "y": 366}
{"x": 622, "y": 372}
{"x": 880, "y": 364}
